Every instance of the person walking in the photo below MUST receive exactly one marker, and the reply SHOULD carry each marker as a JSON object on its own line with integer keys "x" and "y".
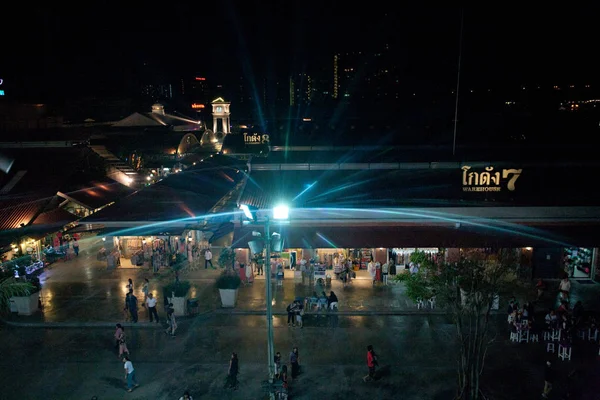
{"x": 234, "y": 368}
{"x": 284, "y": 380}
{"x": 117, "y": 335}
{"x": 76, "y": 247}
{"x": 145, "y": 290}
{"x": 133, "y": 306}
{"x": 208, "y": 259}
{"x": 151, "y": 303}
{"x": 295, "y": 362}
{"x": 126, "y": 312}
{"x": 277, "y": 360}
{"x": 129, "y": 285}
{"x": 299, "y": 314}
{"x": 122, "y": 343}
{"x": 129, "y": 374}
{"x": 549, "y": 376}
{"x": 291, "y": 312}
{"x": 371, "y": 364}
{"x": 384, "y": 271}
{"x": 171, "y": 320}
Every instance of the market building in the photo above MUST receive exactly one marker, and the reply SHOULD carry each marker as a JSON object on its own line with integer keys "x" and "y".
{"x": 364, "y": 203}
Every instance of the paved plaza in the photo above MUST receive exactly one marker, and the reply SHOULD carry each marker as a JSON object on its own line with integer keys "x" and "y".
{"x": 66, "y": 352}
{"x": 82, "y": 290}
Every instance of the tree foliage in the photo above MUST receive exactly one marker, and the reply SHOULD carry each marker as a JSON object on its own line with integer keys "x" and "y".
{"x": 467, "y": 289}
{"x": 227, "y": 258}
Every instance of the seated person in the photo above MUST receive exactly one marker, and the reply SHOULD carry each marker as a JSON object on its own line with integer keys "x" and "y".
{"x": 563, "y": 309}
{"x": 551, "y": 319}
{"x": 323, "y": 301}
{"x": 511, "y": 307}
{"x": 332, "y": 301}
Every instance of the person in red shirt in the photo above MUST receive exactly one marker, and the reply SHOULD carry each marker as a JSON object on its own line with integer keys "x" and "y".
{"x": 371, "y": 363}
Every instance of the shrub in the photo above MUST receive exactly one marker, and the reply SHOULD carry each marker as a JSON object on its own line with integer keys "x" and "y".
{"x": 180, "y": 289}
{"x": 228, "y": 281}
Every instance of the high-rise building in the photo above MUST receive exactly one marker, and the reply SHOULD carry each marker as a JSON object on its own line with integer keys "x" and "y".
{"x": 157, "y": 91}
{"x": 336, "y": 84}
{"x": 300, "y": 89}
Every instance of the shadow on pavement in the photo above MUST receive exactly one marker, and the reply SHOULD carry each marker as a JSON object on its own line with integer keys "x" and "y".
{"x": 383, "y": 372}
{"x": 114, "y": 382}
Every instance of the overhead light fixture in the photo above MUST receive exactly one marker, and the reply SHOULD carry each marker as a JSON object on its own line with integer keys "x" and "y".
{"x": 246, "y": 209}
{"x": 281, "y": 212}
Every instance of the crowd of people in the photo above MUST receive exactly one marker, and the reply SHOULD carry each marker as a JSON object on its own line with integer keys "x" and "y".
{"x": 567, "y": 322}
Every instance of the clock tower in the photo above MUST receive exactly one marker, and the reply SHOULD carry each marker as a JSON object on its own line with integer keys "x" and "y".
{"x": 220, "y": 111}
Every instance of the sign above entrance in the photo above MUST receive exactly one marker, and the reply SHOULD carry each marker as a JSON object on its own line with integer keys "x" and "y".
{"x": 256, "y": 138}
{"x": 489, "y": 180}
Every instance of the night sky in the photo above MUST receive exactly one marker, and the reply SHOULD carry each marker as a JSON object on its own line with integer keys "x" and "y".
{"x": 56, "y": 51}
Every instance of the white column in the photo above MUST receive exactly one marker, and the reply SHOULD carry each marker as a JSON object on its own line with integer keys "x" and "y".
{"x": 214, "y": 124}
{"x": 228, "y": 124}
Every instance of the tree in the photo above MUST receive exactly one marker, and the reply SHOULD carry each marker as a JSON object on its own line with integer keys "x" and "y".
{"x": 467, "y": 288}
{"x": 227, "y": 258}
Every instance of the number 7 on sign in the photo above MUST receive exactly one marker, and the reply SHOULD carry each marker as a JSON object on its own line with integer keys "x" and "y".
{"x": 515, "y": 175}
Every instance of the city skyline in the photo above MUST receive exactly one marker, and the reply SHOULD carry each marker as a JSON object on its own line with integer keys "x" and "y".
{"x": 67, "y": 55}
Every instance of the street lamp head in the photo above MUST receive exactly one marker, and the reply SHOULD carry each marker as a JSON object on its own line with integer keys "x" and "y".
{"x": 247, "y": 212}
{"x": 281, "y": 212}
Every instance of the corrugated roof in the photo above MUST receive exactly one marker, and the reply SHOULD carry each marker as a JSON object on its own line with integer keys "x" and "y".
{"x": 18, "y": 210}
{"x": 55, "y": 218}
{"x": 96, "y": 194}
{"x": 188, "y": 194}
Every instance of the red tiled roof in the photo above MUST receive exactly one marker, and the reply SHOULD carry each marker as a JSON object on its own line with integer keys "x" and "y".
{"x": 15, "y": 211}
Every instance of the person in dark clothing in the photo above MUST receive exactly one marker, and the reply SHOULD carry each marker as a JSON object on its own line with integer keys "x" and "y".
{"x": 284, "y": 378}
{"x": 291, "y": 312}
{"x": 578, "y": 313}
{"x": 277, "y": 360}
{"x": 133, "y": 306}
{"x": 295, "y": 362}
{"x": 549, "y": 376}
{"x": 332, "y": 301}
{"x": 232, "y": 373}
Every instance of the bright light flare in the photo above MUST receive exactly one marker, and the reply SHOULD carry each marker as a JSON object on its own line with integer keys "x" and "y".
{"x": 281, "y": 212}
{"x": 246, "y": 210}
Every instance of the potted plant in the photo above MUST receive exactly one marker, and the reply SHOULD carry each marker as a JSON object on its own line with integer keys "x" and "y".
{"x": 23, "y": 295}
{"x": 228, "y": 284}
{"x": 178, "y": 293}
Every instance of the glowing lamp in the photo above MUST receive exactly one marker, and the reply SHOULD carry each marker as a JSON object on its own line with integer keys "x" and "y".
{"x": 247, "y": 212}
{"x": 281, "y": 212}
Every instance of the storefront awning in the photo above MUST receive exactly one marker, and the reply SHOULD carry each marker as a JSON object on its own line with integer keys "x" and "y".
{"x": 427, "y": 236}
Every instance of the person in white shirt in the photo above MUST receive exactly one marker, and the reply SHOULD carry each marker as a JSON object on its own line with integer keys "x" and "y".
{"x": 565, "y": 288}
{"x": 372, "y": 270}
{"x": 129, "y": 374}
{"x": 151, "y": 304}
{"x": 384, "y": 271}
{"x": 208, "y": 259}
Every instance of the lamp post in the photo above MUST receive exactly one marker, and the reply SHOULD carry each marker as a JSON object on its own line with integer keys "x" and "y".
{"x": 279, "y": 213}
{"x": 269, "y": 296}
